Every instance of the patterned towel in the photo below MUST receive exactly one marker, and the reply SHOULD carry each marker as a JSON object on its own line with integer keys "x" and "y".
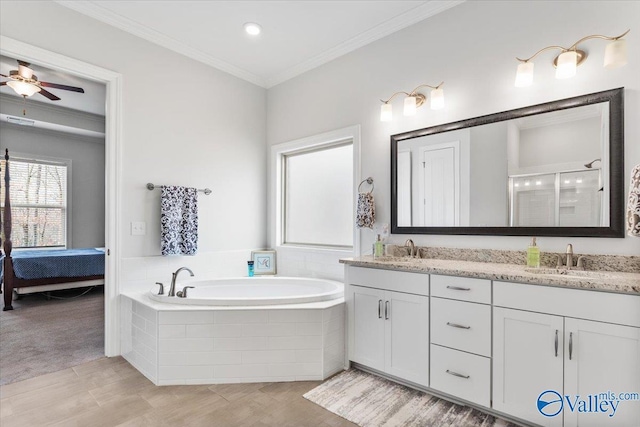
{"x": 179, "y": 220}
{"x": 633, "y": 206}
{"x": 366, "y": 214}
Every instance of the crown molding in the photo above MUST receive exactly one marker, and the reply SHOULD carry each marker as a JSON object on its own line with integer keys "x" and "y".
{"x": 123, "y": 23}
{"x": 406, "y": 19}
{"x": 391, "y": 26}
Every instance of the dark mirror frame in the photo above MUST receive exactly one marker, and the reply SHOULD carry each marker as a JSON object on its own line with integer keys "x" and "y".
{"x": 615, "y": 98}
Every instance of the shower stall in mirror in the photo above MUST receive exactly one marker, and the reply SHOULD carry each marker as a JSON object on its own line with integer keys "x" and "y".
{"x": 562, "y": 199}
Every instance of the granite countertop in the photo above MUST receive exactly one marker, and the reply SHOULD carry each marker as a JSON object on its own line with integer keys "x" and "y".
{"x": 607, "y": 281}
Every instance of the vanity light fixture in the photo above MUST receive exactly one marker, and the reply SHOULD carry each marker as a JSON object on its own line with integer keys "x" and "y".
{"x": 615, "y": 56}
{"x": 412, "y": 101}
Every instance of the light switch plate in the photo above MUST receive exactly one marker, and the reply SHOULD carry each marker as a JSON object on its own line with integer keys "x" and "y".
{"x": 138, "y": 228}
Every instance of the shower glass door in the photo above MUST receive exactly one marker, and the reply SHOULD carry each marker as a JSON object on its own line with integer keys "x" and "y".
{"x": 579, "y": 199}
{"x": 565, "y": 199}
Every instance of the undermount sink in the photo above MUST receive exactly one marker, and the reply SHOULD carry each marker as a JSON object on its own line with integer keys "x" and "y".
{"x": 566, "y": 273}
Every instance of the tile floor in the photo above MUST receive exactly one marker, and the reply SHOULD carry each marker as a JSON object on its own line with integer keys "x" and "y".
{"x": 110, "y": 392}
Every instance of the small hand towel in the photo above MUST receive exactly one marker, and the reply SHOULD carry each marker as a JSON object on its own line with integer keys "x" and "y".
{"x": 179, "y": 220}
{"x": 633, "y": 205}
{"x": 366, "y": 212}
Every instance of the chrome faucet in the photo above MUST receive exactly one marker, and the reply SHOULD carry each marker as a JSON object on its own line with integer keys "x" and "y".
{"x": 412, "y": 247}
{"x": 569, "y": 253}
{"x": 174, "y": 276}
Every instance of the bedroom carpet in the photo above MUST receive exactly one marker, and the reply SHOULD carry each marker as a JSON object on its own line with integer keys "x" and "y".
{"x": 371, "y": 401}
{"x": 40, "y": 336}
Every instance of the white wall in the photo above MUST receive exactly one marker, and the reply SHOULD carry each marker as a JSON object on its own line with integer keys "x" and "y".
{"x": 472, "y": 47}
{"x": 87, "y": 175}
{"x": 489, "y": 180}
{"x": 184, "y": 123}
{"x": 573, "y": 142}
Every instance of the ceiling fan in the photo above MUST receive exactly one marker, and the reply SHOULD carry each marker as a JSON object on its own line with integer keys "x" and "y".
{"x": 25, "y": 83}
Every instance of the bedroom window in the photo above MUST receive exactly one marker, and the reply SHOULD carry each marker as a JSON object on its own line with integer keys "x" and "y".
{"x": 38, "y": 202}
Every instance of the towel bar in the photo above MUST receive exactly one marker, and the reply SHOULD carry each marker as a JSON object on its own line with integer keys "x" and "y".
{"x": 206, "y": 191}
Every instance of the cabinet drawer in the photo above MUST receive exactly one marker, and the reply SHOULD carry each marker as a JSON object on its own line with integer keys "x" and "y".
{"x": 398, "y": 281}
{"x": 461, "y": 325}
{"x": 461, "y": 374}
{"x": 461, "y": 288}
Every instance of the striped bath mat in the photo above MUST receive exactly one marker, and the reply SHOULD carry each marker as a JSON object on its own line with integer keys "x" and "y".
{"x": 371, "y": 401}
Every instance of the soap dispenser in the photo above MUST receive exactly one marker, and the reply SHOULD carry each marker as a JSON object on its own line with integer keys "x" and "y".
{"x": 533, "y": 254}
{"x": 378, "y": 248}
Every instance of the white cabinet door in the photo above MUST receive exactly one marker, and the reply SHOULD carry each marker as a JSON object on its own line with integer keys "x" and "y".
{"x": 601, "y": 358}
{"x": 407, "y": 336}
{"x": 368, "y": 326}
{"x": 526, "y": 364}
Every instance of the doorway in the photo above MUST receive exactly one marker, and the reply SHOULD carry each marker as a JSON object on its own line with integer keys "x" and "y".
{"x": 16, "y": 49}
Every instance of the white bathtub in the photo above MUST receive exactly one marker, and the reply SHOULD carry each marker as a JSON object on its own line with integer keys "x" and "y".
{"x": 244, "y": 291}
{"x": 260, "y": 329}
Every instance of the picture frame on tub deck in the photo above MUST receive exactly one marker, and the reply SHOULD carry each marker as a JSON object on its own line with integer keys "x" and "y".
{"x": 264, "y": 262}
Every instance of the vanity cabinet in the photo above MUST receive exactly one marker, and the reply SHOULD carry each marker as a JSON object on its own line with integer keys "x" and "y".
{"x": 500, "y": 345}
{"x": 527, "y": 360}
{"x": 389, "y": 328}
{"x": 537, "y": 347}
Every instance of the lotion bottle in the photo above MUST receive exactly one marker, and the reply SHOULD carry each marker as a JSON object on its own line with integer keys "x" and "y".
{"x": 533, "y": 254}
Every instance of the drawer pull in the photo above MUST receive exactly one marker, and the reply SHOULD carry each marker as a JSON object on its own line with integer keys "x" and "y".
{"x": 456, "y": 325}
{"x": 455, "y": 374}
{"x": 386, "y": 310}
{"x": 556, "y": 343}
{"x": 458, "y": 288}
{"x": 379, "y": 309}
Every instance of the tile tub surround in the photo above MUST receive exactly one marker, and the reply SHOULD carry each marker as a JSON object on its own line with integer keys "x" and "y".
{"x": 608, "y": 281}
{"x": 176, "y": 344}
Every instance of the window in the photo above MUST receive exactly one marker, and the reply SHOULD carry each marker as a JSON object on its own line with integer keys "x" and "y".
{"x": 38, "y": 202}
{"x": 318, "y": 196}
{"x": 314, "y": 185}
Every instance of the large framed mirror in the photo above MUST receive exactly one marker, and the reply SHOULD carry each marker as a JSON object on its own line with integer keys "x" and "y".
{"x": 553, "y": 169}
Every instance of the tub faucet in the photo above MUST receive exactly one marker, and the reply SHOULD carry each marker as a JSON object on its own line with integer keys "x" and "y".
{"x": 174, "y": 276}
{"x": 412, "y": 247}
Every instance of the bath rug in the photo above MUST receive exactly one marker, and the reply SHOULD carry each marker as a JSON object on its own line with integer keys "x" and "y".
{"x": 371, "y": 401}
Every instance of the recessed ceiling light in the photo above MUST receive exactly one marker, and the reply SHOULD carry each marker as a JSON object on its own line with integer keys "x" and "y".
{"x": 252, "y": 28}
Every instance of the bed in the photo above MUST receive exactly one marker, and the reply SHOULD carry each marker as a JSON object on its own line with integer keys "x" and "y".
{"x": 45, "y": 269}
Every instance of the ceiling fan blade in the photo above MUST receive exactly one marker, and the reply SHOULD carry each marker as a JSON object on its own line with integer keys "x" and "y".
{"x": 3, "y": 83}
{"x": 48, "y": 95}
{"x": 4, "y": 75}
{"x": 63, "y": 87}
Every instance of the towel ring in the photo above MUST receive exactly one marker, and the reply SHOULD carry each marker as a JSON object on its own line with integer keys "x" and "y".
{"x": 368, "y": 181}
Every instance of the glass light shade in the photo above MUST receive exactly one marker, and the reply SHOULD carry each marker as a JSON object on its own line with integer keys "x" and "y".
{"x": 615, "y": 55}
{"x": 386, "y": 112}
{"x": 25, "y": 72}
{"x": 410, "y": 106}
{"x": 437, "y": 99}
{"x": 567, "y": 63}
{"x": 22, "y": 88}
{"x": 524, "y": 75}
